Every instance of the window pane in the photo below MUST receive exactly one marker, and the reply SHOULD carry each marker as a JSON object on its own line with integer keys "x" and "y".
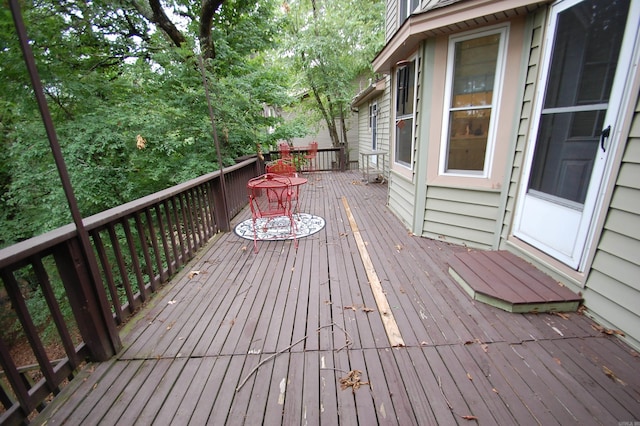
{"x": 474, "y": 73}
{"x": 404, "y": 102}
{"x": 565, "y": 151}
{"x": 405, "y": 83}
{"x": 585, "y": 53}
{"x": 475, "y": 70}
{"x": 468, "y": 139}
{"x": 404, "y": 133}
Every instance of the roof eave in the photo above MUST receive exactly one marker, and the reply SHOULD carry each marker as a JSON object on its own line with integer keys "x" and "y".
{"x": 446, "y": 20}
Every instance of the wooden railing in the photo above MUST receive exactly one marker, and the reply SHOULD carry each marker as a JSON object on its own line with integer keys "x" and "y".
{"x": 62, "y": 318}
{"x": 58, "y": 313}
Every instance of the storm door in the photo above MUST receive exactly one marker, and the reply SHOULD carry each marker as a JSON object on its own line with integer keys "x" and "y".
{"x": 584, "y": 72}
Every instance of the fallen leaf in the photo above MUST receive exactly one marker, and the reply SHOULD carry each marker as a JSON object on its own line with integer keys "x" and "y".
{"x": 352, "y": 380}
{"x": 495, "y": 390}
{"x": 423, "y": 343}
{"x": 469, "y": 377}
{"x": 367, "y": 310}
{"x": 193, "y": 274}
{"x": 561, "y": 315}
{"x": 558, "y": 361}
{"x": 470, "y": 417}
{"x": 399, "y": 247}
{"x": 610, "y": 374}
{"x": 353, "y": 308}
{"x": 608, "y": 331}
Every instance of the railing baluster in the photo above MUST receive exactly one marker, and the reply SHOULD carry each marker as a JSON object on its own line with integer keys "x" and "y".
{"x": 27, "y": 323}
{"x": 153, "y": 237}
{"x": 135, "y": 262}
{"x": 54, "y": 309}
{"x": 122, "y": 268}
{"x": 145, "y": 252}
{"x": 108, "y": 274}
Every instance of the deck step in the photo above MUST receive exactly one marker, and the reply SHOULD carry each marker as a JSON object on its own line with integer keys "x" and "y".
{"x": 503, "y": 280}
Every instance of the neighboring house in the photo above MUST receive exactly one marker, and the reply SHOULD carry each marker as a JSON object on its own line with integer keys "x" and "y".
{"x": 515, "y": 125}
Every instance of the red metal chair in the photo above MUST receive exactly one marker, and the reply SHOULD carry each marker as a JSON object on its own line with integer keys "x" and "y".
{"x": 282, "y": 167}
{"x": 270, "y": 197}
{"x": 310, "y": 156}
{"x": 285, "y": 168}
{"x": 285, "y": 151}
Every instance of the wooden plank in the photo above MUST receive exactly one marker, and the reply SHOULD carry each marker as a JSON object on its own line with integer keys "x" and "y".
{"x": 393, "y": 333}
{"x": 212, "y": 388}
{"x": 590, "y": 377}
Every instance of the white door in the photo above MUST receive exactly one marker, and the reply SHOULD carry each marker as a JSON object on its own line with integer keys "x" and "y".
{"x": 587, "y": 59}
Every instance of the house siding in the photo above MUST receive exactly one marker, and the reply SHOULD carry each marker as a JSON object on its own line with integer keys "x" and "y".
{"x": 401, "y": 193}
{"x": 537, "y": 22}
{"x": 612, "y": 289}
{"x": 461, "y": 216}
{"x": 391, "y": 19}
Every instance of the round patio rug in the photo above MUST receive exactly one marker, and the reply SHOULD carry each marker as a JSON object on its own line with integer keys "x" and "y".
{"x": 279, "y": 228}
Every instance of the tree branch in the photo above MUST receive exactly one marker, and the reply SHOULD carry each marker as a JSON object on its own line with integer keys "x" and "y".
{"x": 207, "y": 13}
{"x": 160, "y": 18}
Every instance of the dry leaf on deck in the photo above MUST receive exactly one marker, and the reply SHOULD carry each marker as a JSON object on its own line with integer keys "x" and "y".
{"x": 561, "y": 315}
{"x": 470, "y": 417}
{"x": 610, "y": 374}
{"x": 352, "y": 380}
{"x": 469, "y": 377}
{"x": 193, "y": 274}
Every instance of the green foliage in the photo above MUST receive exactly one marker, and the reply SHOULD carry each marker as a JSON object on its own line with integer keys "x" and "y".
{"x": 129, "y": 107}
{"x": 331, "y": 47}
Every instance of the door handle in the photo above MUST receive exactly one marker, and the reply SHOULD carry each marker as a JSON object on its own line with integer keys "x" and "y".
{"x": 604, "y": 135}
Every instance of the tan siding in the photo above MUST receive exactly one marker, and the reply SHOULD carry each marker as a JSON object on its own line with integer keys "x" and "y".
{"x": 463, "y": 216}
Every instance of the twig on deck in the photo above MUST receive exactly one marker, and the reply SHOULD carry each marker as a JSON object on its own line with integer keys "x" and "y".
{"x": 284, "y": 350}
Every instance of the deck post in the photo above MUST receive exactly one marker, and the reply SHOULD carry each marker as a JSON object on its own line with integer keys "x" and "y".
{"x": 92, "y": 315}
{"x": 220, "y": 212}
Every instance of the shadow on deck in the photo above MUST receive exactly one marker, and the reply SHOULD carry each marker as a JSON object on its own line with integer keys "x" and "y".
{"x": 286, "y": 337}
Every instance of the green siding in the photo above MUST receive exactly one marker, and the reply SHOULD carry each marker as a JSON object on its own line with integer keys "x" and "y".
{"x": 463, "y": 216}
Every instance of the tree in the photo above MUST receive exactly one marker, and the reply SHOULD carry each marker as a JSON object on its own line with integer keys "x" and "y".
{"x": 331, "y": 43}
{"x": 125, "y": 92}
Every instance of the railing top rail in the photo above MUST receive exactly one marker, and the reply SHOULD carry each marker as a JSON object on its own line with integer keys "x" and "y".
{"x": 22, "y": 250}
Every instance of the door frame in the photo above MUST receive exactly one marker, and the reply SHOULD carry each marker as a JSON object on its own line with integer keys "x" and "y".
{"x": 627, "y": 93}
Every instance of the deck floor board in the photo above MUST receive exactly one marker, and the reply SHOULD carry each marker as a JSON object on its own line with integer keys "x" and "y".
{"x": 293, "y": 323}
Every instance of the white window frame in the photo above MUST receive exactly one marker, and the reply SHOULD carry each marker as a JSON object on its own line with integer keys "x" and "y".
{"x": 503, "y": 30}
{"x": 408, "y": 166}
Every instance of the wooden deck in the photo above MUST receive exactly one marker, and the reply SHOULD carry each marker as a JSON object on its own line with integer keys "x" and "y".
{"x": 271, "y": 338}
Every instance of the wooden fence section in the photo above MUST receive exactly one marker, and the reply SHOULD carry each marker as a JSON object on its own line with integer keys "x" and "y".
{"x": 294, "y": 337}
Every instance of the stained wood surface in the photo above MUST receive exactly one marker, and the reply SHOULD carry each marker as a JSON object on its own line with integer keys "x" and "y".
{"x": 502, "y": 279}
{"x": 266, "y": 339}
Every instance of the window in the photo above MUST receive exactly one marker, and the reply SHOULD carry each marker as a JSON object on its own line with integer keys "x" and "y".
{"x": 474, "y": 71}
{"x": 406, "y": 8}
{"x": 373, "y": 124}
{"x": 405, "y": 96}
